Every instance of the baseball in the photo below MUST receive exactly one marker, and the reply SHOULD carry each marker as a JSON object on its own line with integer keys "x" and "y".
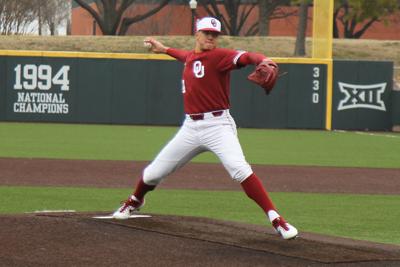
{"x": 146, "y": 44}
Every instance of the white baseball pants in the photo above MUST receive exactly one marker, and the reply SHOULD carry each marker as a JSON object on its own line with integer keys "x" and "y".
{"x": 217, "y": 134}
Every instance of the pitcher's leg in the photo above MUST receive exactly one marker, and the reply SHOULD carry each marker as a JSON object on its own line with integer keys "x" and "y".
{"x": 223, "y": 142}
{"x": 255, "y": 190}
{"x": 175, "y": 154}
{"x": 227, "y": 147}
{"x": 229, "y": 151}
{"x": 179, "y": 150}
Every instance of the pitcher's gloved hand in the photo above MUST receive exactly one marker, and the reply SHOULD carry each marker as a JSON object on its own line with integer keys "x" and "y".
{"x": 265, "y": 75}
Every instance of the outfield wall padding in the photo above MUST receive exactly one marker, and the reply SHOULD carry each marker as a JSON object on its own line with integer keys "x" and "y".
{"x": 396, "y": 108}
{"x": 3, "y": 90}
{"x": 139, "y": 91}
{"x": 362, "y": 95}
{"x": 126, "y": 91}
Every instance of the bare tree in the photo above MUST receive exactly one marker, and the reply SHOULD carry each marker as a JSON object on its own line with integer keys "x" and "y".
{"x": 263, "y": 22}
{"x": 109, "y": 14}
{"x": 234, "y": 14}
{"x": 268, "y": 10}
{"x": 300, "y": 46}
{"x": 51, "y": 14}
{"x": 235, "y": 17}
{"x": 357, "y": 16}
{"x": 16, "y": 16}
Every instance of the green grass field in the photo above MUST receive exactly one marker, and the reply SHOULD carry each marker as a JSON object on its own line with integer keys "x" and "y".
{"x": 367, "y": 217}
{"x": 277, "y": 147}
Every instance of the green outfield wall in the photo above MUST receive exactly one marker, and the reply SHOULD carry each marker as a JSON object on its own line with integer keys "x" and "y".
{"x": 146, "y": 89}
{"x": 396, "y": 110}
{"x": 363, "y": 95}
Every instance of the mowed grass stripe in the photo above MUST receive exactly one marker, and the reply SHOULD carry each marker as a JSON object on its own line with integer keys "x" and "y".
{"x": 261, "y": 146}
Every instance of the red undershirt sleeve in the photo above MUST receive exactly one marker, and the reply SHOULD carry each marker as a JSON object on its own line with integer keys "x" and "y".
{"x": 178, "y": 54}
{"x": 250, "y": 58}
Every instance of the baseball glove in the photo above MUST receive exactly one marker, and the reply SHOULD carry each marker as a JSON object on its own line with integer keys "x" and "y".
{"x": 265, "y": 75}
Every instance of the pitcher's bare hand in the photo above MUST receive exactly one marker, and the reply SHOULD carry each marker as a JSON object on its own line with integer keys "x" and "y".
{"x": 155, "y": 46}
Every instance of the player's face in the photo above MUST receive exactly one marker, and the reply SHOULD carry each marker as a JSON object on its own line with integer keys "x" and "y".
{"x": 206, "y": 40}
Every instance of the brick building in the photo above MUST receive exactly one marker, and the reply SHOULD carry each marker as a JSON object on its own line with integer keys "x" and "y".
{"x": 176, "y": 19}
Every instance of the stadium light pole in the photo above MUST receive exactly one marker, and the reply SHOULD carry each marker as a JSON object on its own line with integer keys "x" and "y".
{"x": 193, "y": 6}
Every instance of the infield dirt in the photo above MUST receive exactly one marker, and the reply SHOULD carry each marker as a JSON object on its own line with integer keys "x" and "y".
{"x": 77, "y": 239}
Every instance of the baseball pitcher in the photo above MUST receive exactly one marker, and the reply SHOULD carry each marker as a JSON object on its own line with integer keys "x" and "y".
{"x": 208, "y": 125}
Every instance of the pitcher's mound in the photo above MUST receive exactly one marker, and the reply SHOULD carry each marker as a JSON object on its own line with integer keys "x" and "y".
{"x": 78, "y": 239}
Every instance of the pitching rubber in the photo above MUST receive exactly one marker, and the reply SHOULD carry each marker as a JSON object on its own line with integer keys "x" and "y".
{"x": 130, "y": 217}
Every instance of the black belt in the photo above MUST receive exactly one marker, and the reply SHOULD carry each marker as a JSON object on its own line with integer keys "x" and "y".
{"x": 200, "y": 116}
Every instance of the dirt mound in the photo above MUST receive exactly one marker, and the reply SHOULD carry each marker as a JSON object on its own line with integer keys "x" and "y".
{"x": 68, "y": 239}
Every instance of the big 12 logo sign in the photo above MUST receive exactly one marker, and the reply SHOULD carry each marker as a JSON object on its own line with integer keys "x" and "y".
{"x": 362, "y": 96}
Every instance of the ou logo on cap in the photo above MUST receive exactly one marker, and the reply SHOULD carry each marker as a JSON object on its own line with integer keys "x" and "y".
{"x": 208, "y": 24}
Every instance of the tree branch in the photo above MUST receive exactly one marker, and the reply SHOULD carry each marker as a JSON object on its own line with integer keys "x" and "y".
{"x": 252, "y": 30}
{"x": 126, "y": 22}
{"x": 243, "y": 17}
{"x": 359, "y": 33}
{"x": 92, "y": 12}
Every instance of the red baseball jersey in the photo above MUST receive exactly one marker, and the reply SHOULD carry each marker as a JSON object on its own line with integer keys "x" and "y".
{"x": 206, "y": 78}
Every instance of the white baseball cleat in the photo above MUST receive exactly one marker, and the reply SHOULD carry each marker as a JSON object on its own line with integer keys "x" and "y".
{"x": 128, "y": 208}
{"x": 286, "y": 230}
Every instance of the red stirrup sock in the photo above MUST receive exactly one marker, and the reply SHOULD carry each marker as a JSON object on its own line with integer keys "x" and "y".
{"x": 142, "y": 189}
{"x": 255, "y": 190}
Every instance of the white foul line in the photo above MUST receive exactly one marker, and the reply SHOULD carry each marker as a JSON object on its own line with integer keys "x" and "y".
{"x": 380, "y": 135}
{"x": 368, "y": 133}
